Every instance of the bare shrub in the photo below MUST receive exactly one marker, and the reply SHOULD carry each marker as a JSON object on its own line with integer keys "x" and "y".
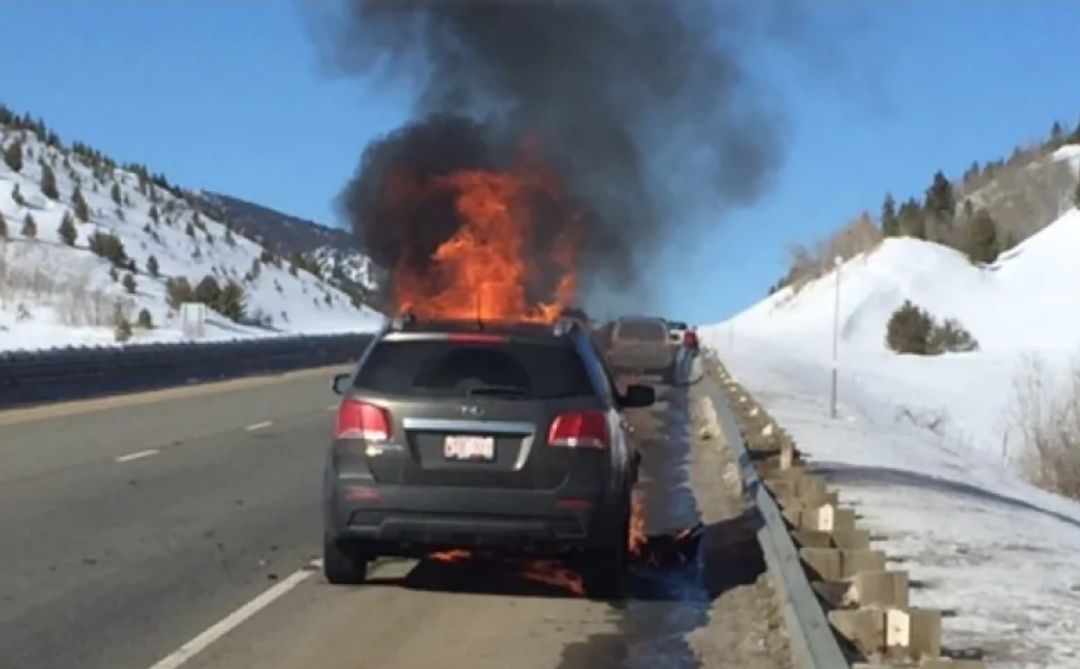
{"x": 1047, "y": 416}
{"x": 806, "y": 264}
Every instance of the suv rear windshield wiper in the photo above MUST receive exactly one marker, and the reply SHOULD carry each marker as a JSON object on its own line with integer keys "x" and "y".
{"x": 508, "y": 391}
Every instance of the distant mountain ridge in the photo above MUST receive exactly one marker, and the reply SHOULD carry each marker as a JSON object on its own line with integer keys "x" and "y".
{"x": 330, "y": 250}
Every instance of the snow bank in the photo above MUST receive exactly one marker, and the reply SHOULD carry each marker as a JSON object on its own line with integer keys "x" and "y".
{"x": 925, "y": 447}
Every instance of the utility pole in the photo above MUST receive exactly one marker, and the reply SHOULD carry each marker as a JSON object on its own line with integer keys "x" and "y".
{"x": 835, "y": 335}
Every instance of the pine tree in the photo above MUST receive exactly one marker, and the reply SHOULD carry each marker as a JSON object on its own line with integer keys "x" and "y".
{"x": 145, "y": 321}
{"x": 29, "y": 228}
{"x": 939, "y": 198}
{"x": 67, "y": 230}
{"x": 48, "y": 183}
{"x": 123, "y": 330}
{"x": 3, "y": 227}
{"x": 129, "y": 284}
{"x": 114, "y": 192}
{"x": 208, "y": 291}
{"x": 82, "y": 208}
{"x": 152, "y": 266}
{"x": 16, "y": 196}
{"x": 890, "y": 224}
{"x": 982, "y": 238}
{"x": 178, "y": 291}
{"x": 908, "y": 329}
{"x": 110, "y": 247}
{"x": 155, "y": 216}
{"x": 13, "y": 156}
{"x": 1076, "y": 195}
{"x": 190, "y": 230}
{"x": 1056, "y": 131}
{"x": 229, "y": 239}
{"x": 231, "y": 301}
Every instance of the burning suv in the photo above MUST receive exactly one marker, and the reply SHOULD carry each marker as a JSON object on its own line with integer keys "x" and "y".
{"x": 498, "y": 438}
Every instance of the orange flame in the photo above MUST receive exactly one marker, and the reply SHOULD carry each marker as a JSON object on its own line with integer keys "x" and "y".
{"x": 551, "y": 572}
{"x": 637, "y": 537}
{"x": 456, "y": 555}
{"x": 481, "y": 272}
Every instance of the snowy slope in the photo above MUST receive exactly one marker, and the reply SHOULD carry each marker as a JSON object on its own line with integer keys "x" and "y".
{"x": 926, "y": 448}
{"x": 1023, "y": 305}
{"x": 351, "y": 267}
{"x": 52, "y": 294}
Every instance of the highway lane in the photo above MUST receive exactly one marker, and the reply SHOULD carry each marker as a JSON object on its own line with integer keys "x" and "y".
{"x": 110, "y": 564}
{"x": 116, "y": 565}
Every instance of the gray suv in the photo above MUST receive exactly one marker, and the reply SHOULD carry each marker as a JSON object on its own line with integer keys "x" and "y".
{"x": 499, "y": 438}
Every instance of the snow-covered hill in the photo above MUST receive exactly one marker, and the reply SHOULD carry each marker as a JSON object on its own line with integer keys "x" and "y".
{"x": 53, "y": 294}
{"x": 346, "y": 266}
{"x": 928, "y": 449}
{"x": 1026, "y": 304}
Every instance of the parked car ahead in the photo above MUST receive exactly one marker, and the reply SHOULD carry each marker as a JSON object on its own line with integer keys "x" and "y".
{"x": 642, "y": 345}
{"x": 503, "y": 438}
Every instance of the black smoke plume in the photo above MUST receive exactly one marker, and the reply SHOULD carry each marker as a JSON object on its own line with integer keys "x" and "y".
{"x": 641, "y": 107}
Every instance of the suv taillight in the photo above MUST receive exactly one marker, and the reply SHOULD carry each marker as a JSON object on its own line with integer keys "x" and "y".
{"x": 690, "y": 340}
{"x": 579, "y": 429}
{"x": 360, "y": 420}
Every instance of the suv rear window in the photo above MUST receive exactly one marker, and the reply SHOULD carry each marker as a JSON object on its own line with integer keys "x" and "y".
{"x": 641, "y": 330}
{"x": 516, "y": 370}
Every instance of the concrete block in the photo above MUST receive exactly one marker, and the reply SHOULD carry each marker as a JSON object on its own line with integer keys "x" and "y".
{"x": 856, "y": 560}
{"x": 835, "y": 594}
{"x": 787, "y": 456}
{"x": 813, "y": 539}
{"x": 811, "y": 500}
{"x": 851, "y": 538}
{"x": 885, "y": 589}
{"x": 781, "y": 488}
{"x": 810, "y": 486}
{"x": 925, "y": 633}
{"x": 844, "y": 519}
{"x": 865, "y": 628}
{"x": 946, "y": 663}
{"x": 825, "y": 561}
{"x": 822, "y": 518}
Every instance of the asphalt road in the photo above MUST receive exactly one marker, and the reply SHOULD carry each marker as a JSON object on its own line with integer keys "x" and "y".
{"x": 130, "y": 527}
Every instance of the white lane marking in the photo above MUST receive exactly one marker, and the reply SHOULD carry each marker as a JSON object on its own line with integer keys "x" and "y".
{"x": 138, "y": 455}
{"x": 236, "y": 618}
{"x": 259, "y": 426}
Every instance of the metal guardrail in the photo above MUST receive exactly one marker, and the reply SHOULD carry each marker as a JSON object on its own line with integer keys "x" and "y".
{"x": 32, "y": 377}
{"x": 813, "y": 644}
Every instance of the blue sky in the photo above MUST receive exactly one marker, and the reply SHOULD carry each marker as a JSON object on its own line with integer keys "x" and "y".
{"x": 234, "y": 97}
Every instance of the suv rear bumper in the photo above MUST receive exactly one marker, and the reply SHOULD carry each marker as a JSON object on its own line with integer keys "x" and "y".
{"x": 403, "y": 520}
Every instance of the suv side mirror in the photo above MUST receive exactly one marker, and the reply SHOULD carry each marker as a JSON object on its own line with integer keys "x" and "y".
{"x": 341, "y": 383}
{"x": 638, "y": 397}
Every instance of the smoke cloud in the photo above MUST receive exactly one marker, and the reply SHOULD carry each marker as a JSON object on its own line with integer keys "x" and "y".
{"x": 639, "y": 106}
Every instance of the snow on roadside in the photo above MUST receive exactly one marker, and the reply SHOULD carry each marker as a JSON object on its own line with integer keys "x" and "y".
{"x": 55, "y": 295}
{"x": 978, "y": 542}
{"x": 926, "y": 448}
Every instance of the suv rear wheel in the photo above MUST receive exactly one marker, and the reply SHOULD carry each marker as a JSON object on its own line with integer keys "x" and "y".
{"x": 343, "y": 562}
{"x": 603, "y": 570}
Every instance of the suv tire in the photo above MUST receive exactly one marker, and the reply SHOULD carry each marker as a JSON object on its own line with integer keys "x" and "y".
{"x": 603, "y": 569}
{"x": 343, "y": 564}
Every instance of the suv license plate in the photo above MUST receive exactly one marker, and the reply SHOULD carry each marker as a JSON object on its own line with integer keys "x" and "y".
{"x": 469, "y": 447}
